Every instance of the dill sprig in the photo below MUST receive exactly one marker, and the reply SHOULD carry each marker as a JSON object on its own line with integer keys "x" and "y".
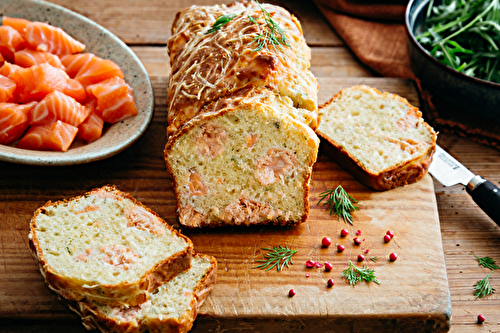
{"x": 487, "y": 262}
{"x": 278, "y": 256}
{"x": 339, "y": 202}
{"x": 354, "y": 274}
{"x": 273, "y": 35}
{"x": 220, "y": 22}
{"x": 483, "y": 287}
{"x": 374, "y": 259}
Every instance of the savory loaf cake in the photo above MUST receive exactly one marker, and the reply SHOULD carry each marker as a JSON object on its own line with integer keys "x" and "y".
{"x": 246, "y": 163}
{"x": 379, "y": 137}
{"x": 242, "y": 109}
{"x": 215, "y": 50}
{"x": 172, "y": 307}
{"x": 106, "y": 246}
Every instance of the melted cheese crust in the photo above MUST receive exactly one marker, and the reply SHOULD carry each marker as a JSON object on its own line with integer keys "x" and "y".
{"x": 208, "y": 66}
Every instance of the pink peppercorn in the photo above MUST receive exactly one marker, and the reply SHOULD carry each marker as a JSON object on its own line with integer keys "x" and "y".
{"x": 480, "y": 319}
{"x": 358, "y": 233}
{"x": 361, "y": 257}
{"x": 291, "y": 293}
{"x": 390, "y": 233}
{"x": 340, "y": 248}
{"x": 387, "y": 238}
{"x": 330, "y": 282}
{"x": 328, "y": 266}
{"x": 319, "y": 265}
{"x": 344, "y": 232}
{"x": 307, "y": 274}
{"x": 357, "y": 241}
{"x": 366, "y": 251}
{"x": 310, "y": 263}
{"x": 326, "y": 241}
{"x": 393, "y": 256}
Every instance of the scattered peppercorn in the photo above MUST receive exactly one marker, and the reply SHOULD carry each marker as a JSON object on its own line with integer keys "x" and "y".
{"x": 387, "y": 238}
{"x": 361, "y": 257}
{"x": 358, "y": 233}
{"x": 340, "y": 248}
{"x": 328, "y": 266}
{"x": 319, "y": 265}
{"x": 480, "y": 319}
{"x": 393, "y": 257}
{"x": 326, "y": 241}
{"x": 344, "y": 232}
{"x": 330, "y": 282}
{"x": 291, "y": 293}
{"x": 310, "y": 263}
{"x": 390, "y": 233}
{"x": 357, "y": 241}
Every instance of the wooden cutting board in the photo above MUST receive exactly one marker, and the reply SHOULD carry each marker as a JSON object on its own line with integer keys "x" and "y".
{"x": 413, "y": 294}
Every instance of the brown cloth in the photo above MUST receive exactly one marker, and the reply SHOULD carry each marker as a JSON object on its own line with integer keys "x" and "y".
{"x": 375, "y": 32}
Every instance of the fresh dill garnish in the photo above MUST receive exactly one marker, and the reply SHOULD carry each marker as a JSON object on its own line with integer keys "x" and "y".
{"x": 220, "y": 22}
{"x": 487, "y": 262}
{"x": 273, "y": 35}
{"x": 483, "y": 287}
{"x": 374, "y": 259}
{"x": 278, "y": 256}
{"x": 339, "y": 202}
{"x": 354, "y": 274}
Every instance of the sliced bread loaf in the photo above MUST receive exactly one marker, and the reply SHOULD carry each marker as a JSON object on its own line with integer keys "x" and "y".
{"x": 379, "y": 137}
{"x": 246, "y": 162}
{"x": 105, "y": 245}
{"x": 172, "y": 307}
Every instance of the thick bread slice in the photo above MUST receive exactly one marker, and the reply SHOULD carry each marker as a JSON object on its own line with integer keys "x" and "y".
{"x": 378, "y": 137}
{"x": 246, "y": 162}
{"x": 105, "y": 245}
{"x": 172, "y": 308}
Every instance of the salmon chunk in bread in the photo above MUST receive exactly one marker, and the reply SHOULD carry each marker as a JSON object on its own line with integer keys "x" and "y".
{"x": 106, "y": 246}
{"x": 172, "y": 307}
{"x": 380, "y": 138}
{"x": 248, "y": 162}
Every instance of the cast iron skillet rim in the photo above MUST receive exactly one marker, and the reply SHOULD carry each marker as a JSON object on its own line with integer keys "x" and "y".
{"x": 450, "y": 70}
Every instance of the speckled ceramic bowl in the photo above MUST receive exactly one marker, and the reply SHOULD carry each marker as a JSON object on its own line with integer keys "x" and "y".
{"x": 104, "y": 44}
{"x": 465, "y": 93}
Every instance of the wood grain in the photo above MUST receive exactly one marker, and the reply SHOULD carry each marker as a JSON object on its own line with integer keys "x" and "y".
{"x": 145, "y": 25}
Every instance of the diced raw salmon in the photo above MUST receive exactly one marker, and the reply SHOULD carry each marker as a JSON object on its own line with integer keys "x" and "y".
{"x": 91, "y": 128}
{"x": 56, "y": 136}
{"x": 76, "y": 90}
{"x": 35, "y": 82}
{"x": 8, "y": 69}
{"x": 7, "y": 89}
{"x": 17, "y": 23}
{"x": 88, "y": 68}
{"x": 44, "y": 37}
{"x": 58, "y": 106}
{"x": 28, "y": 58}
{"x": 115, "y": 99}
{"x": 11, "y": 41}
{"x": 14, "y": 119}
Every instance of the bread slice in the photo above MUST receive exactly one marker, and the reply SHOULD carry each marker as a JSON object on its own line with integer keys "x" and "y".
{"x": 105, "y": 245}
{"x": 172, "y": 308}
{"x": 378, "y": 137}
{"x": 246, "y": 162}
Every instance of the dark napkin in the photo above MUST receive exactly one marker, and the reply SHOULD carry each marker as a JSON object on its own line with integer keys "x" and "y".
{"x": 375, "y": 32}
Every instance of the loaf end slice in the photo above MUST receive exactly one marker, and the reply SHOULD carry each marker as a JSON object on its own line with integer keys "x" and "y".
{"x": 248, "y": 162}
{"x": 172, "y": 308}
{"x": 106, "y": 246}
{"x": 379, "y": 138}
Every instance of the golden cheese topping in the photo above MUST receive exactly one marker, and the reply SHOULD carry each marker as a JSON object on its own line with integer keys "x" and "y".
{"x": 207, "y": 65}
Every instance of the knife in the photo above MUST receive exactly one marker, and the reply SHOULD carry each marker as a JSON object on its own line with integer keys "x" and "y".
{"x": 448, "y": 171}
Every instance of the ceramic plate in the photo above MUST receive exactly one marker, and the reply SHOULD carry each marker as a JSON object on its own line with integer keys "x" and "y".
{"x": 104, "y": 44}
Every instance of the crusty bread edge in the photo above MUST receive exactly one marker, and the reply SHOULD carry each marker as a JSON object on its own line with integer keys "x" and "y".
{"x": 312, "y": 140}
{"x": 401, "y": 174}
{"x": 132, "y": 293}
{"x": 93, "y": 319}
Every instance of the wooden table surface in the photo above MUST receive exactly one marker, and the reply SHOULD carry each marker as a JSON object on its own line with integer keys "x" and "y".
{"x": 145, "y": 26}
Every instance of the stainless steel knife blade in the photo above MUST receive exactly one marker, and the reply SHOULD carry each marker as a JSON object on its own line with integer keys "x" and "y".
{"x": 448, "y": 171}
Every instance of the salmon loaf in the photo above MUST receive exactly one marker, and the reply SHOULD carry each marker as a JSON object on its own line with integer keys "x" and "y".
{"x": 172, "y": 308}
{"x": 380, "y": 138}
{"x": 241, "y": 118}
{"x": 106, "y": 246}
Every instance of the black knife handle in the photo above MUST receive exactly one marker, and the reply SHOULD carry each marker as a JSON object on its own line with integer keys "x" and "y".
{"x": 487, "y": 196}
